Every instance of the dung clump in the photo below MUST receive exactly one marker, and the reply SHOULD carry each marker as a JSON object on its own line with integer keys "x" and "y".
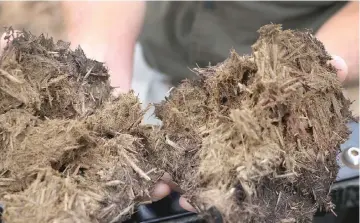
{"x": 53, "y": 198}
{"x": 67, "y": 149}
{"x": 49, "y": 79}
{"x": 256, "y": 136}
{"x": 264, "y": 129}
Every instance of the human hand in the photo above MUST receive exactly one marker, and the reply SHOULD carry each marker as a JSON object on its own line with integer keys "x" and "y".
{"x": 340, "y": 36}
{"x": 341, "y": 67}
{"x": 6, "y": 39}
{"x": 164, "y": 187}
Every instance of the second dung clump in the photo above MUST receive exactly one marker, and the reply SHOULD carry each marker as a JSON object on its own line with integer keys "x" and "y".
{"x": 257, "y": 136}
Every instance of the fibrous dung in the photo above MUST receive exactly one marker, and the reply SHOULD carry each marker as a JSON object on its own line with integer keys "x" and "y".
{"x": 259, "y": 134}
{"x": 256, "y": 136}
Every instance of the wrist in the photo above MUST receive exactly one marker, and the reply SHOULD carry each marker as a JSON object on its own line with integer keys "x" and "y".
{"x": 109, "y": 36}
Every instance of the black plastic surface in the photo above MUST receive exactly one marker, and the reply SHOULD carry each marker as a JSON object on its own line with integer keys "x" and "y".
{"x": 345, "y": 196}
{"x": 346, "y": 172}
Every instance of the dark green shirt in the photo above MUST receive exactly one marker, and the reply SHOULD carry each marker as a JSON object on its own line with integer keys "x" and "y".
{"x": 182, "y": 35}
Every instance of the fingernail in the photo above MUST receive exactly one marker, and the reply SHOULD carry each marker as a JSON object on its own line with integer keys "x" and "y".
{"x": 186, "y": 205}
{"x": 116, "y": 92}
{"x": 166, "y": 177}
{"x": 160, "y": 191}
{"x": 341, "y": 67}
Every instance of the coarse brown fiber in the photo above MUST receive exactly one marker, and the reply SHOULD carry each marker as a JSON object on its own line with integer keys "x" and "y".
{"x": 255, "y": 136}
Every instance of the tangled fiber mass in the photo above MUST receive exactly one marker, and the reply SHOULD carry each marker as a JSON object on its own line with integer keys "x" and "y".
{"x": 256, "y": 136}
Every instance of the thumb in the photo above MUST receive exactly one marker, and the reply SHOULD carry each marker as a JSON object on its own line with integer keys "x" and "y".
{"x": 340, "y": 66}
{"x": 7, "y": 37}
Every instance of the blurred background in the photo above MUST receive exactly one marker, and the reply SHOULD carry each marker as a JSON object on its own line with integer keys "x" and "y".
{"x": 35, "y": 16}
{"x": 47, "y": 17}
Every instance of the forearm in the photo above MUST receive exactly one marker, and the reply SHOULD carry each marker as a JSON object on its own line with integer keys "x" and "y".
{"x": 340, "y": 35}
{"x": 107, "y": 32}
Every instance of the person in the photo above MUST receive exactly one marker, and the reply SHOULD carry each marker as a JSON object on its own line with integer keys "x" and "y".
{"x": 176, "y": 36}
{"x": 179, "y": 35}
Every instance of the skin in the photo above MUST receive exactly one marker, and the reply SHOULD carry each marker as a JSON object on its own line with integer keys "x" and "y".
{"x": 114, "y": 44}
{"x": 340, "y": 35}
{"x": 108, "y": 35}
{"x": 111, "y": 34}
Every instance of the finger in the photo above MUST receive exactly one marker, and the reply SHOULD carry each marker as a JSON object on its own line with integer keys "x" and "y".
{"x": 7, "y": 37}
{"x": 162, "y": 188}
{"x": 340, "y": 66}
{"x": 116, "y": 92}
{"x": 3, "y": 43}
{"x": 160, "y": 191}
{"x": 186, "y": 205}
{"x": 166, "y": 177}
